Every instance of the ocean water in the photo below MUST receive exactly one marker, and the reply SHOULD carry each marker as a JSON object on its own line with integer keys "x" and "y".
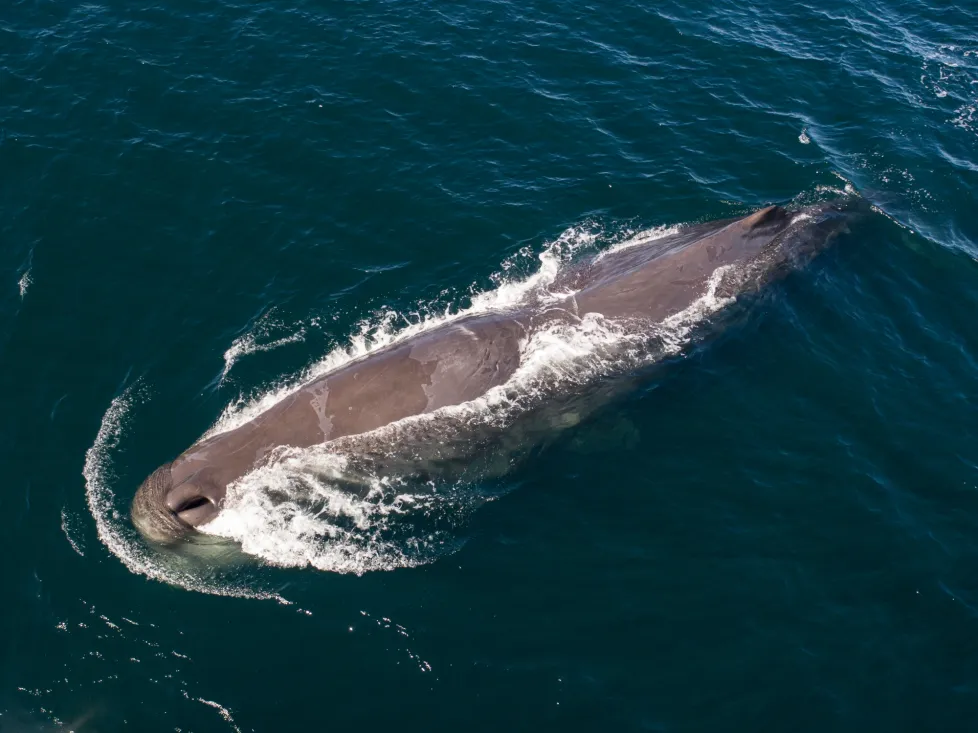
{"x": 203, "y": 204}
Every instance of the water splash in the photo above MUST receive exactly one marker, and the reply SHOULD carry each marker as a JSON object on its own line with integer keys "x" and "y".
{"x": 69, "y": 533}
{"x": 221, "y": 710}
{"x": 255, "y": 341}
{"x": 24, "y": 283}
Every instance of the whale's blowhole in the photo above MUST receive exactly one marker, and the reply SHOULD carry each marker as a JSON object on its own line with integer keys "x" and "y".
{"x": 194, "y": 502}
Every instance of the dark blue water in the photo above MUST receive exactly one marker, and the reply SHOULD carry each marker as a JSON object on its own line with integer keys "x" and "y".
{"x": 200, "y": 203}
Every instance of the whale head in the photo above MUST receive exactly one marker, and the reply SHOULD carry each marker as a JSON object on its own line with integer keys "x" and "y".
{"x": 166, "y": 510}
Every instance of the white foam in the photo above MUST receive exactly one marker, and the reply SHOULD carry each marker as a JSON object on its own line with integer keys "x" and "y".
{"x": 643, "y": 237}
{"x": 292, "y": 512}
{"x": 251, "y": 343}
{"x": 221, "y": 710}
{"x": 966, "y": 116}
{"x": 847, "y": 190}
{"x": 950, "y": 72}
{"x": 75, "y": 545}
{"x": 24, "y": 283}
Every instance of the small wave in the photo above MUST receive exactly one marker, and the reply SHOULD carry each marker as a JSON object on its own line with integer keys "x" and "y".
{"x": 24, "y": 283}
{"x": 252, "y": 342}
{"x": 221, "y": 710}
{"x": 950, "y": 71}
{"x": 68, "y": 532}
{"x": 847, "y": 190}
{"x": 634, "y": 239}
{"x": 966, "y": 117}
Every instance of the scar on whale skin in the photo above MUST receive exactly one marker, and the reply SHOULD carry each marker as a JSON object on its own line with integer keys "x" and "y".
{"x": 320, "y": 394}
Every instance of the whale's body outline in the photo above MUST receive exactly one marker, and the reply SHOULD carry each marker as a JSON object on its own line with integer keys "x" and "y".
{"x": 463, "y": 360}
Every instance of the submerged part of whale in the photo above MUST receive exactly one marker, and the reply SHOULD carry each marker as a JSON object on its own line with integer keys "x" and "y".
{"x": 636, "y": 293}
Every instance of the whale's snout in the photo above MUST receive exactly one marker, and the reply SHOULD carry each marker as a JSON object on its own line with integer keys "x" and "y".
{"x": 166, "y": 511}
{"x": 154, "y": 520}
{"x": 192, "y": 503}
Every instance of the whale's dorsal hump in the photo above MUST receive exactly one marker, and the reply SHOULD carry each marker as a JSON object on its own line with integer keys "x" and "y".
{"x": 762, "y": 219}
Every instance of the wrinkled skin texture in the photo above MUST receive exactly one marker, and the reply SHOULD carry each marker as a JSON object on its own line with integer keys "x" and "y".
{"x": 461, "y": 361}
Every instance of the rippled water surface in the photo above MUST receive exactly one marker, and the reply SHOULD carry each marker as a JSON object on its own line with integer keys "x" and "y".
{"x": 203, "y": 204}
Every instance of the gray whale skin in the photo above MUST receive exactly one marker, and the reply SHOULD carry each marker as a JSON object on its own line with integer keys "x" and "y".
{"x": 463, "y": 359}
